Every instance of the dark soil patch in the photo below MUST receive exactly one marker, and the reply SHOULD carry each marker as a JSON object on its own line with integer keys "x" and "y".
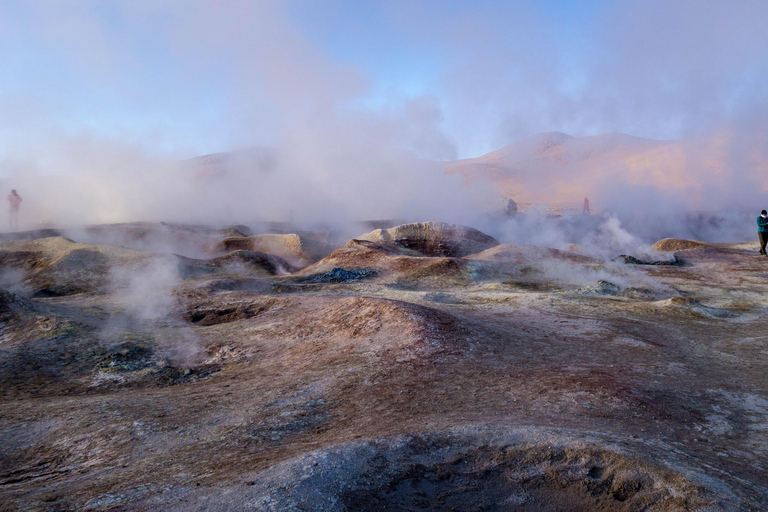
{"x": 79, "y": 271}
{"x": 224, "y": 314}
{"x": 631, "y": 260}
{"x": 126, "y": 357}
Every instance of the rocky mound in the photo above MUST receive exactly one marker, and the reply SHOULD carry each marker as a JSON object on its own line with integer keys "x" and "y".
{"x": 687, "y": 252}
{"x": 206, "y": 314}
{"x": 29, "y": 235}
{"x": 434, "y": 239}
{"x": 239, "y": 230}
{"x": 191, "y": 241}
{"x": 19, "y": 315}
{"x": 58, "y": 266}
{"x": 677, "y": 244}
{"x": 696, "y": 308}
{"x": 522, "y": 254}
{"x": 360, "y": 254}
{"x": 26, "y": 320}
{"x": 297, "y": 250}
{"x": 13, "y": 306}
{"x": 393, "y": 264}
{"x": 524, "y": 473}
{"x": 256, "y": 261}
{"x": 402, "y": 330}
{"x": 238, "y": 262}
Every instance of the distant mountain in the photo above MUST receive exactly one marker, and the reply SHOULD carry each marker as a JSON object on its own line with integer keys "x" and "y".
{"x": 256, "y": 158}
{"x": 533, "y": 147}
{"x": 711, "y": 170}
{"x": 557, "y": 168}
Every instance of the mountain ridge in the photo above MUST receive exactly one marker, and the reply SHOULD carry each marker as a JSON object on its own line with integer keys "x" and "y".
{"x": 555, "y": 167}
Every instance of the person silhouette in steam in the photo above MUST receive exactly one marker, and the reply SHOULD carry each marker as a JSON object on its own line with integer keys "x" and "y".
{"x": 762, "y": 230}
{"x": 585, "y": 210}
{"x": 14, "y": 200}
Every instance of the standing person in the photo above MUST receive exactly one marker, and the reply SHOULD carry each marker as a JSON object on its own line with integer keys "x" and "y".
{"x": 585, "y": 211}
{"x": 762, "y": 230}
{"x": 14, "y": 200}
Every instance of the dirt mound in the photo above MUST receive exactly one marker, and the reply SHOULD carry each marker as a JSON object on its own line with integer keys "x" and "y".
{"x": 695, "y": 251}
{"x": 239, "y": 230}
{"x": 393, "y": 264}
{"x": 58, "y": 266}
{"x": 234, "y": 284}
{"x": 238, "y": 262}
{"x": 522, "y": 254}
{"x": 434, "y": 239}
{"x": 401, "y": 329}
{"x": 191, "y": 241}
{"x": 696, "y": 308}
{"x": 677, "y": 244}
{"x": 297, "y": 250}
{"x": 430, "y": 472}
{"x": 256, "y": 261}
{"x": 29, "y": 235}
{"x": 78, "y": 271}
{"x": 22, "y": 320}
{"x": 14, "y": 306}
{"x": 205, "y": 314}
{"x": 361, "y": 254}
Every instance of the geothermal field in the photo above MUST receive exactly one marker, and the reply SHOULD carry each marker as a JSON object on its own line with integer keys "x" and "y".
{"x": 383, "y": 256}
{"x": 408, "y": 368}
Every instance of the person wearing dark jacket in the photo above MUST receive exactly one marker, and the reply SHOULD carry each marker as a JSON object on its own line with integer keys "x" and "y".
{"x": 762, "y": 230}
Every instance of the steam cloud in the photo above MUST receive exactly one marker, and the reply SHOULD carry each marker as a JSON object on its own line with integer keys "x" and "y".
{"x": 142, "y": 86}
{"x": 146, "y": 293}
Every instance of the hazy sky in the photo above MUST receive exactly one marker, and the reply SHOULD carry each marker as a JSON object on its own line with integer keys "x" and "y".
{"x": 442, "y": 78}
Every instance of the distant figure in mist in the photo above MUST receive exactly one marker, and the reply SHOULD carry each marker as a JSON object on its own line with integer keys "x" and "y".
{"x": 511, "y": 209}
{"x": 585, "y": 210}
{"x": 762, "y": 230}
{"x": 14, "y": 200}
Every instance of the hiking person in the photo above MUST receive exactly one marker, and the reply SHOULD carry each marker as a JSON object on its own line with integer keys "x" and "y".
{"x": 14, "y": 200}
{"x": 585, "y": 210}
{"x": 762, "y": 230}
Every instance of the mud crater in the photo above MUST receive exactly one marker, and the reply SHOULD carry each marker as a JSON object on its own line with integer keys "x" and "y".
{"x": 479, "y": 474}
{"x": 531, "y": 479}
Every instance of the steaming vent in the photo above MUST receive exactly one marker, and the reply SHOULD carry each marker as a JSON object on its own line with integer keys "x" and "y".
{"x": 434, "y": 239}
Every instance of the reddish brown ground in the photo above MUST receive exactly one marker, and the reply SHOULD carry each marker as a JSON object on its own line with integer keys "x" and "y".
{"x": 106, "y": 408}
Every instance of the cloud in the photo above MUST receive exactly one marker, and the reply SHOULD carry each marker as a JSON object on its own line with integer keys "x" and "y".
{"x": 648, "y": 68}
{"x": 339, "y": 159}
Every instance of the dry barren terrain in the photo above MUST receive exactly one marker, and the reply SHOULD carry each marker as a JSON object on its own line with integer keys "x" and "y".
{"x": 424, "y": 367}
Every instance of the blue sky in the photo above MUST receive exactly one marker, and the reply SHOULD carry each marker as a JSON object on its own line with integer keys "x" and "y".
{"x": 442, "y": 79}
